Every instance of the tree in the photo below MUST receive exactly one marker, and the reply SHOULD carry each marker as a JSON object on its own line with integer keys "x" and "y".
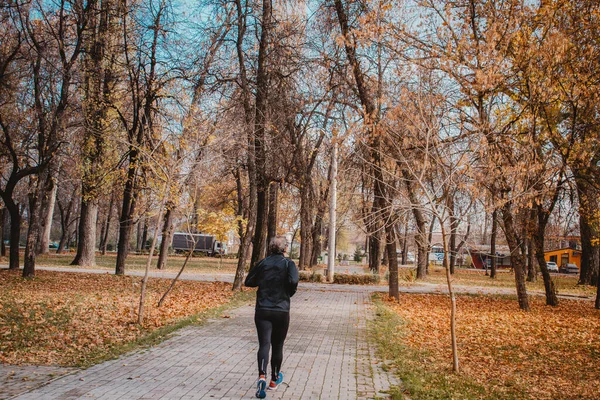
{"x": 371, "y": 116}
{"x": 145, "y": 36}
{"x": 48, "y": 41}
{"x": 99, "y": 81}
{"x": 12, "y": 149}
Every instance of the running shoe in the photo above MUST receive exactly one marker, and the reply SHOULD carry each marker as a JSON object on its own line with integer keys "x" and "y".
{"x": 274, "y": 384}
{"x": 261, "y": 387}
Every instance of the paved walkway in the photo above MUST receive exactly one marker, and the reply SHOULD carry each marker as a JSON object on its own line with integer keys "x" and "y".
{"x": 326, "y": 356}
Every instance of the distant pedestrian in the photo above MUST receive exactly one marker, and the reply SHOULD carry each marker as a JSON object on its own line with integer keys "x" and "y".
{"x": 277, "y": 280}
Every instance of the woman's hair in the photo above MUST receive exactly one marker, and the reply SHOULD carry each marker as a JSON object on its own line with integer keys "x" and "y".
{"x": 278, "y": 245}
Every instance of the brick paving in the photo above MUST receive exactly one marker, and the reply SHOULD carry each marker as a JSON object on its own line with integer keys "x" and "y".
{"x": 326, "y": 356}
{"x": 19, "y": 379}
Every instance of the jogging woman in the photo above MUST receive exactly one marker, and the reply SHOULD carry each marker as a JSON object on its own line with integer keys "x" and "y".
{"x": 277, "y": 280}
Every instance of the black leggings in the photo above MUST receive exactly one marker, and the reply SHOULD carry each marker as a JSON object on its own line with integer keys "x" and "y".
{"x": 272, "y": 327}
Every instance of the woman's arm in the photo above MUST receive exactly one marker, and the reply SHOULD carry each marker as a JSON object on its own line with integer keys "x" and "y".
{"x": 292, "y": 277}
{"x": 253, "y": 276}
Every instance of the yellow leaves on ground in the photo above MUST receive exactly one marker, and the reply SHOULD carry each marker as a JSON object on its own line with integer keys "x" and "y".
{"x": 548, "y": 353}
{"x": 60, "y": 318}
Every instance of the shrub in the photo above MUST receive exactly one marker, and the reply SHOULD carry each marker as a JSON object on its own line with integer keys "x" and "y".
{"x": 358, "y": 254}
{"x": 356, "y": 279}
{"x": 308, "y": 276}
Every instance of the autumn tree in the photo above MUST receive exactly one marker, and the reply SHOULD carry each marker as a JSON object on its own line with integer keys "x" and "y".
{"x": 145, "y": 41}
{"x": 99, "y": 80}
{"x": 49, "y": 42}
{"x": 371, "y": 114}
{"x": 13, "y": 147}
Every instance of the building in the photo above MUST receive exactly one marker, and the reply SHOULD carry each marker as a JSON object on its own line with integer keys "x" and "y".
{"x": 564, "y": 256}
{"x": 481, "y": 257}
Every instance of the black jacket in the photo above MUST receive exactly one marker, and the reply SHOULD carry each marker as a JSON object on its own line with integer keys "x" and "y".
{"x": 277, "y": 281}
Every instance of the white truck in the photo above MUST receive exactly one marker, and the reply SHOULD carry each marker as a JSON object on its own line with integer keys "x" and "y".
{"x": 207, "y": 244}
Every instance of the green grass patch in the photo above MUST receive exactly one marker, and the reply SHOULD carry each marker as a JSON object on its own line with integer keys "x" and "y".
{"x": 137, "y": 262}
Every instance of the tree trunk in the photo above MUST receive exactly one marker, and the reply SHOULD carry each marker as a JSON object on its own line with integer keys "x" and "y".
{"x": 139, "y": 232}
{"x": 48, "y": 203}
{"x": 104, "y": 239}
{"x": 246, "y": 239}
{"x": 454, "y": 223}
{"x": 240, "y": 206}
{"x": 405, "y": 245}
{"x": 126, "y": 218}
{"x": 392, "y": 261}
{"x": 86, "y": 245}
{"x": 316, "y": 238}
{"x": 385, "y": 260}
{"x": 273, "y": 211}
{"x": 144, "y": 236}
{"x": 65, "y": 223}
{"x": 374, "y": 233}
{"x": 588, "y": 251}
{"x": 167, "y": 232}
{"x": 260, "y": 125}
{"x": 306, "y": 224}
{"x": 453, "y": 337}
{"x": 15, "y": 234}
{"x": 588, "y": 225}
{"x": 98, "y": 77}
{"x": 494, "y": 265}
{"x": 517, "y": 259}
{"x": 3, "y": 222}
{"x": 259, "y": 241}
{"x": 531, "y": 269}
{"x": 538, "y": 246}
{"x": 332, "y": 239}
{"x": 148, "y": 264}
{"x": 597, "y": 304}
{"x": 375, "y": 251}
{"x": 421, "y": 239}
{"x": 33, "y": 233}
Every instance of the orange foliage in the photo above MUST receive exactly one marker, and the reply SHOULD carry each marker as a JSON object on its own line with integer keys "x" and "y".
{"x": 61, "y": 318}
{"x": 548, "y": 353}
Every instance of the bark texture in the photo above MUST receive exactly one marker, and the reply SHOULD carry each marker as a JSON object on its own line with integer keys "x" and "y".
{"x": 259, "y": 242}
{"x": 517, "y": 259}
{"x": 167, "y": 233}
{"x": 86, "y": 243}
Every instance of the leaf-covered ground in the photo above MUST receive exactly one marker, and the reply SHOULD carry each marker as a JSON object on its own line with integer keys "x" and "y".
{"x": 548, "y": 353}
{"x": 68, "y": 318}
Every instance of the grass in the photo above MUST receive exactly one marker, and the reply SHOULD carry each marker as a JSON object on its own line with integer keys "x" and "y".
{"x": 138, "y": 262}
{"x": 549, "y": 353}
{"x": 565, "y": 284}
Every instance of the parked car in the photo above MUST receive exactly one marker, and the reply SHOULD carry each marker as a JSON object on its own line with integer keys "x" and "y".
{"x": 552, "y": 266}
{"x": 569, "y": 269}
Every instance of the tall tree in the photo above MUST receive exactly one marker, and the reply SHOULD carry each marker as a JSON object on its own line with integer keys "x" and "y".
{"x": 259, "y": 244}
{"x": 99, "y": 79}
{"x": 145, "y": 36}
{"x": 51, "y": 39}
{"x": 371, "y": 118}
{"x": 245, "y": 94}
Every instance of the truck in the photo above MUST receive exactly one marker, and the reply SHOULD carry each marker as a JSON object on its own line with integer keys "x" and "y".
{"x": 206, "y": 244}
